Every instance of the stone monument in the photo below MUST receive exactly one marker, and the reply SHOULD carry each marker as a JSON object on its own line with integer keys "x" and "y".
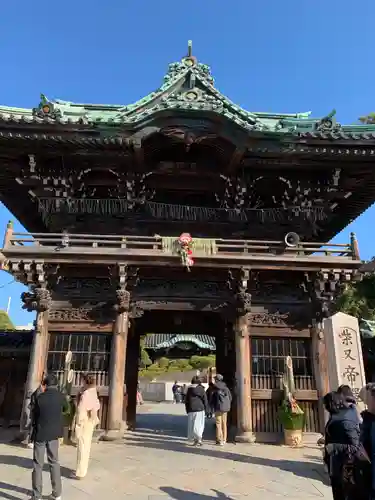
{"x": 343, "y": 344}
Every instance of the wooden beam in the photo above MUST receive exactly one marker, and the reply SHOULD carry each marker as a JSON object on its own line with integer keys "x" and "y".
{"x": 89, "y": 327}
{"x": 276, "y": 394}
{"x": 265, "y": 331}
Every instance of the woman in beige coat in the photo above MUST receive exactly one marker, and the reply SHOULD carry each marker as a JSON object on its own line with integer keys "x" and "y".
{"x": 86, "y": 421}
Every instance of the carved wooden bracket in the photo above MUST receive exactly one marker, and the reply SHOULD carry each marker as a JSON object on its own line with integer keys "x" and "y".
{"x": 38, "y": 299}
{"x": 239, "y": 284}
{"x": 122, "y": 303}
{"x": 323, "y": 288}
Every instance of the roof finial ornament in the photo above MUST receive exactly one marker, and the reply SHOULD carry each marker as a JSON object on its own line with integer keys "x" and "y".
{"x": 189, "y": 59}
{"x": 190, "y": 49}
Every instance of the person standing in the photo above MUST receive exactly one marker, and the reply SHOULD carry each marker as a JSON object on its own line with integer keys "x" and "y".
{"x": 47, "y": 428}
{"x": 176, "y": 391}
{"x": 196, "y": 405}
{"x": 367, "y": 437}
{"x": 86, "y": 421}
{"x": 341, "y": 446}
{"x": 221, "y": 401}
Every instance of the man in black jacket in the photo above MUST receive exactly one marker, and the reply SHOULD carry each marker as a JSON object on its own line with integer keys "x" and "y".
{"x": 221, "y": 401}
{"x": 47, "y": 429}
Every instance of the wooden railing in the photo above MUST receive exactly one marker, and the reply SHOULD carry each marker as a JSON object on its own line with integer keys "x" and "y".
{"x": 156, "y": 244}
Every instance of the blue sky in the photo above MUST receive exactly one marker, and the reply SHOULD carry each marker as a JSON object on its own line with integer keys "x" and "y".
{"x": 270, "y": 55}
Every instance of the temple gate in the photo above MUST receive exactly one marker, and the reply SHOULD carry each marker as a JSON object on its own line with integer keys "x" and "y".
{"x": 106, "y": 193}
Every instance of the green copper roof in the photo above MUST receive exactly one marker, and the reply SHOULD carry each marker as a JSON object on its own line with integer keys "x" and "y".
{"x": 165, "y": 341}
{"x": 188, "y": 86}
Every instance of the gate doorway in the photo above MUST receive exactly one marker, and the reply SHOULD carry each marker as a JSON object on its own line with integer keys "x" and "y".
{"x": 173, "y": 323}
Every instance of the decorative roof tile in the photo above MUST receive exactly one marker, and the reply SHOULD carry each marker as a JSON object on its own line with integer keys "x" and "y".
{"x": 166, "y": 341}
{"x": 188, "y": 87}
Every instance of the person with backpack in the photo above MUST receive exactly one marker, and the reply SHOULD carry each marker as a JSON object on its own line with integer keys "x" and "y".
{"x": 221, "y": 401}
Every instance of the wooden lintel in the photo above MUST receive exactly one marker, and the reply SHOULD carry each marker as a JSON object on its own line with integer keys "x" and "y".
{"x": 171, "y": 304}
{"x": 80, "y": 327}
{"x": 272, "y": 331}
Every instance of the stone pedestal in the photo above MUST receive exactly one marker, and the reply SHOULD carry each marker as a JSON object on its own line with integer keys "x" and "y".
{"x": 344, "y": 352}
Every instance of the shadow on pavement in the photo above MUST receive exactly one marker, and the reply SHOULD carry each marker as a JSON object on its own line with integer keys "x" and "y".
{"x": 178, "y": 494}
{"x": 27, "y": 463}
{"x": 13, "y": 488}
{"x": 169, "y": 425}
{"x": 299, "y": 468}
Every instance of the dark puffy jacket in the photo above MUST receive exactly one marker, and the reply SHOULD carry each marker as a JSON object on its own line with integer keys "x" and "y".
{"x": 196, "y": 399}
{"x": 368, "y": 440}
{"x": 221, "y": 398}
{"x": 341, "y": 440}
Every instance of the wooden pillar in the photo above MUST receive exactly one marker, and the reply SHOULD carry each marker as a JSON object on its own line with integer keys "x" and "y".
{"x": 243, "y": 378}
{"x": 117, "y": 374}
{"x": 115, "y": 424}
{"x": 37, "y": 364}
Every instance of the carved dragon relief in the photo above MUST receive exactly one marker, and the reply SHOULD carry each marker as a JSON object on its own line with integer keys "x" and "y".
{"x": 270, "y": 319}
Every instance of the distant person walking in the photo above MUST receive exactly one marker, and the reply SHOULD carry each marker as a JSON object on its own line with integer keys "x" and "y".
{"x": 196, "y": 408}
{"x": 47, "y": 428}
{"x": 139, "y": 395}
{"x": 221, "y": 401}
{"x": 176, "y": 390}
{"x": 86, "y": 421}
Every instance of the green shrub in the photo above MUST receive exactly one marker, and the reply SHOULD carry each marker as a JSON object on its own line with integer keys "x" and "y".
{"x": 144, "y": 358}
{"x": 203, "y": 362}
{"x": 181, "y": 365}
{"x": 163, "y": 363}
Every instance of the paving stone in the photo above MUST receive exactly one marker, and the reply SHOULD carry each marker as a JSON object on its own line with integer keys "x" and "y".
{"x": 155, "y": 463}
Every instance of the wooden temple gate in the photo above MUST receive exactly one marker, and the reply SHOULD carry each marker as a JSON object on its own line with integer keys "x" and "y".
{"x": 107, "y": 190}
{"x": 257, "y": 313}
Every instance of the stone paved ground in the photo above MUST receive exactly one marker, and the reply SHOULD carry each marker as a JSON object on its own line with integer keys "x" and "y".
{"x": 155, "y": 463}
